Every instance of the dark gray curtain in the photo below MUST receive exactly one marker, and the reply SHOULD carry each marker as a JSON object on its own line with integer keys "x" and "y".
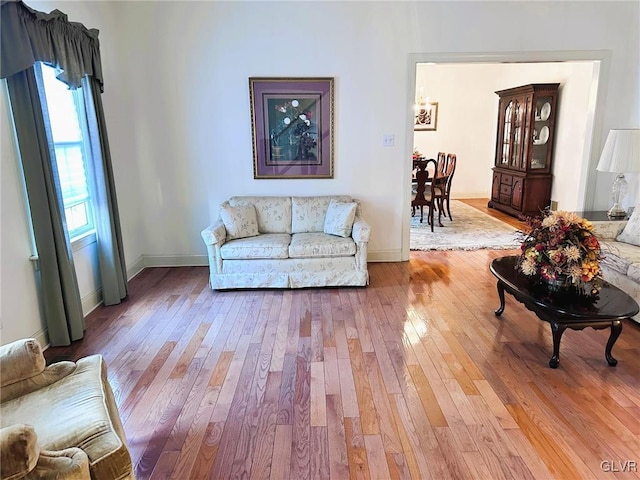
{"x": 27, "y": 37}
{"x": 62, "y": 307}
{"x": 113, "y": 271}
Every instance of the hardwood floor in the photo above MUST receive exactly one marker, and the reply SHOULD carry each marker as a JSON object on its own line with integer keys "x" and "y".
{"x": 411, "y": 377}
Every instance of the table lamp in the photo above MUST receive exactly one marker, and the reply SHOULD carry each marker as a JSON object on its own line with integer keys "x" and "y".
{"x": 621, "y": 154}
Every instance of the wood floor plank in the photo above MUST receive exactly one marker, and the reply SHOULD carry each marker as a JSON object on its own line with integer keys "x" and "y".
{"x": 376, "y": 457}
{"x": 411, "y": 377}
{"x": 281, "y": 453}
{"x": 338, "y": 456}
{"x": 318, "y": 393}
{"x": 356, "y": 449}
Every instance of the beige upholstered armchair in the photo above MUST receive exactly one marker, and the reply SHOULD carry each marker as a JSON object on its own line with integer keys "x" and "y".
{"x": 58, "y": 422}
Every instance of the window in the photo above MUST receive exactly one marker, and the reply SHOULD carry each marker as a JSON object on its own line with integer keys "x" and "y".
{"x": 69, "y": 131}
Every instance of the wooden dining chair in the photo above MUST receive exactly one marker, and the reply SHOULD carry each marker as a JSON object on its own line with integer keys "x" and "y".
{"x": 450, "y": 169}
{"x": 441, "y": 163}
{"x": 419, "y": 192}
{"x": 435, "y": 197}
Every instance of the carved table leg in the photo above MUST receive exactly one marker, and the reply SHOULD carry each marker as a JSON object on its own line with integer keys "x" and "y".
{"x": 616, "y": 330}
{"x": 500, "y": 309}
{"x": 557, "y": 330}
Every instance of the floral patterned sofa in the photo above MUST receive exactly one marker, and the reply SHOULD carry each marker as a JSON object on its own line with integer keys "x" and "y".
{"x": 288, "y": 242}
{"x": 620, "y": 241}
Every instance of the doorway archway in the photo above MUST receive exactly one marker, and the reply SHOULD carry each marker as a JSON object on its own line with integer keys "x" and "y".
{"x": 593, "y": 117}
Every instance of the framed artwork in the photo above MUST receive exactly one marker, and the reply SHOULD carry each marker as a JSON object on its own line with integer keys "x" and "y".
{"x": 426, "y": 117}
{"x": 292, "y": 127}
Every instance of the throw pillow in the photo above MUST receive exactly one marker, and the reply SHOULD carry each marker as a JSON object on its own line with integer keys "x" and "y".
{"x": 631, "y": 232}
{"x": 240, "y": 221}
{"x": 339, "y": 218}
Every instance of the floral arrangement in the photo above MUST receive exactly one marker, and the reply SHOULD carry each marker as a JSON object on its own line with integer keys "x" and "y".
{"x": 416, "y": 154}
{"x": 561, "y": 245}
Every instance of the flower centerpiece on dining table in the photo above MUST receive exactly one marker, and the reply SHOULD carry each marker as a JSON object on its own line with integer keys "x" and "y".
{"x": 561, "y": 249}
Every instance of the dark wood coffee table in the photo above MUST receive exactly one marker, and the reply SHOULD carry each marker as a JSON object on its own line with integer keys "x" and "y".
{"x": 567, "y": 309}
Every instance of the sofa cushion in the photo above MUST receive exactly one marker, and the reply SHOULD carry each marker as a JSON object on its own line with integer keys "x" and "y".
{"x": 265, "y": 245}
{"x": 631, "y": 232}
{"x": 339, "y": 218}
{"x": 306, "y": 245}
{"x": 619, "y": 256}
{"x": 274, "y": 213}
{"x": 240, "y": 220}
{"x": 308, "y": 213}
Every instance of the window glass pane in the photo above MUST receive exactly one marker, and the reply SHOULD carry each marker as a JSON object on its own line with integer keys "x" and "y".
{"x": 70, "y": 152}
{"x": 62, "y": 109}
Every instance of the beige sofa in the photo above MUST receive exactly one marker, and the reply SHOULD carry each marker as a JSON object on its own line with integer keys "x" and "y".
{"x": 58, "y": 421}
{"x": 620, "y": 240}
{"x": 288, "y": 242}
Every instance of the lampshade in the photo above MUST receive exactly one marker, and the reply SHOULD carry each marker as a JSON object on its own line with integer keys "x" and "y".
{"x": 621, "y": 152}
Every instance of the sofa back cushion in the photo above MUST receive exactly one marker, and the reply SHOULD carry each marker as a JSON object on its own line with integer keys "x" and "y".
{"x": 339, "y": 219}
{"x": 274, "y": 213}
{"x": 309, "y": 213}
{"x": 240, "y": 221}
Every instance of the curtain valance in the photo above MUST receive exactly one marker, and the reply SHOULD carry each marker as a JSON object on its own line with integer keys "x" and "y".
{"x": 29, "y": 36}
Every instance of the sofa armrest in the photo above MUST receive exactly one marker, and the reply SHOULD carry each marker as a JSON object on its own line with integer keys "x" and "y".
{"x": 608, "y": 229}
{"x": 214, "y": 233}
{"x": 361, "y": 231}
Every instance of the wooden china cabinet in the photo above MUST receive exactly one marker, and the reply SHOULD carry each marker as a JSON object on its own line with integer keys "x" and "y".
{"x": 524, "y": 149}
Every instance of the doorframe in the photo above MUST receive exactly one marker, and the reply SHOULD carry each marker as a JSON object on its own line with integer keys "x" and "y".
{"x": 595, "y": 121}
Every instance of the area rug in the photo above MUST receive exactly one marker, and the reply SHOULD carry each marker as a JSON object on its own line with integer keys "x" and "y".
{"x": 470, "y": 229}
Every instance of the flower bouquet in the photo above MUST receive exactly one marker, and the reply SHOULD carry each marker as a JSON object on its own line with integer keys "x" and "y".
{"x": 561, "y": 249}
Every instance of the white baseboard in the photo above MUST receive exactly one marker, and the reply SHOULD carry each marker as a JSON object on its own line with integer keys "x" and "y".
{"x": 144, "y": 261}
{"x": 42, "y": 337}
{"x": 384, "y": 256}
{"x": 135, "y": 268}
{"x": 91, "y": 301}
{"x": 175, "y": 260}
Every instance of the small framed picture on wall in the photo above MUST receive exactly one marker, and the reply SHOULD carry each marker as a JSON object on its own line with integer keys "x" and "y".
{"x": 426, "y": 116}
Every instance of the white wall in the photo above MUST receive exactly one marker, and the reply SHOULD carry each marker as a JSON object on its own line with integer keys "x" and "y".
{"x": 467, "y": 120}
{"x": 177, "y": 102}
{"x": 19, "y": 307}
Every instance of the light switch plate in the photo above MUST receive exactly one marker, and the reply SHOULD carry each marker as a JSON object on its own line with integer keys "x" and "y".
{"x": 388, "y": 140}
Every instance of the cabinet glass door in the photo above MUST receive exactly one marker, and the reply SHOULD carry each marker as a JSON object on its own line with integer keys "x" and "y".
{"x": 541, "y": 131}
{"x": 506, "y": 134}
{"x": 518, "y": 131}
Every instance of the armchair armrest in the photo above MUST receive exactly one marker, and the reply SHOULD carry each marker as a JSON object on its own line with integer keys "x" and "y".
{"x": 215, "y": 233}
{"x": 21, "y": 457}
{"x": 23, "y": 369}
{"x": 19, "y": 451}
{"x": 21, "y": 359}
